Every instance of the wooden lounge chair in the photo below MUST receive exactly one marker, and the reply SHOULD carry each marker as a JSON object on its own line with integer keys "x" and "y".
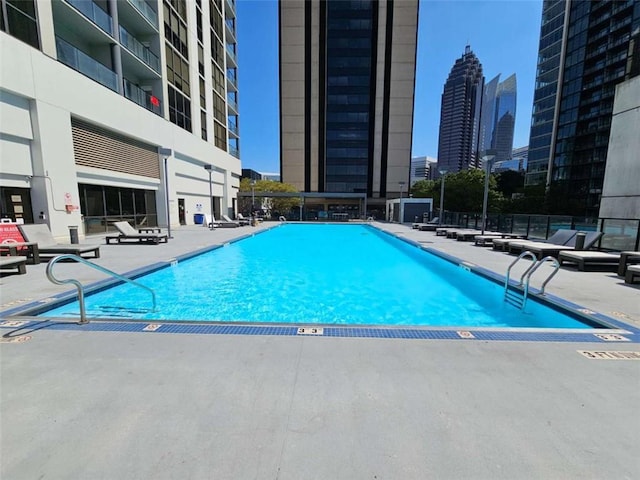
{"x": 14, "y": 262}
{"x": 633, "y": 274}
{"x": 227, "y": 219}
{"x": 242, "y": 220}
{"x": 585, "y": 258}
{"x": 47, "y": 245}
{"x": 212, "y": 223}
{"x": 545, "y": 250}
{"x": 561, "y": 237}
{"x": 127, "y": 232}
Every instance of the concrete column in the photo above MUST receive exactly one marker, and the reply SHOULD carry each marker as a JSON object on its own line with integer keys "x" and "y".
{"x": 54, "y": 184}
{"x": 116, "y": 54}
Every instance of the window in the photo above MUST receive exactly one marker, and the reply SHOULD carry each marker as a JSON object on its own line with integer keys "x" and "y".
{"x": 20, "y": 21}
{"x": 179, "y": 109}
{"x": 220, "y": 134}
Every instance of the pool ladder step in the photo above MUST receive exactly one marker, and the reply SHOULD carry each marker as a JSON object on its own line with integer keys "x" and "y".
{"x": 518, "y": 298}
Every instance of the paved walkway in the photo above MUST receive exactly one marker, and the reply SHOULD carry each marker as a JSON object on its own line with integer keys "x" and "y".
{"x": 104, "y": 405}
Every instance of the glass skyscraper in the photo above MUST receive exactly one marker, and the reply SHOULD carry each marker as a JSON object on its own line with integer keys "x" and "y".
{"x": 460, "y": 114}
{"x": 584, "y": 46}
{"x": 498, "y": 118}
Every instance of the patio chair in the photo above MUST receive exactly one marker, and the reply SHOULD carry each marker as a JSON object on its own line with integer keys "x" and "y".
{"x": 633, "y": 273}
{"x": 127, "y": 232}
{"x": 227, "y": 219}
{"x": 542, "y": 250}
{"x": 212, "y": 223}
{"x": 14, "y": 262}
{"x": 47, "y": 244}
{"x": 243, "y": 220}
{"x": 583, "y": 259}
{"x": 560, "y": 237}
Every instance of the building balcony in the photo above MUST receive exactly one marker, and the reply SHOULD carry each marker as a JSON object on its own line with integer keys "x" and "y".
{"x": 142, "y": 98}
{"x": 232, "y": 81}
{"x": 233, "y": 105}
{"x": 139, "y": 50}
{"x": 94, "y": 13}
{"x": 230, "y": 8}
{"x": 83, "y": 63}
{"x": 231, "y": 55}
{"x": 230, "y": 23}
{"x": 234, "y": 151}
{"x": 145, "y": 10}
{"x": 233, "y": 129}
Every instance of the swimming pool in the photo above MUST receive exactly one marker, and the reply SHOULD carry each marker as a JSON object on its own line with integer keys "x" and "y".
{"x": 319, "y": 274}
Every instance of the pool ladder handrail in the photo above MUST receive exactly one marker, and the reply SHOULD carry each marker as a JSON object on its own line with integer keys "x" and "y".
{"x": 525, "y": 279}
{"x": 68, "y": 256}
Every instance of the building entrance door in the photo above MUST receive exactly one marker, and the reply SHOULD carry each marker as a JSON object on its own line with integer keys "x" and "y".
{"x": 181, "y": 212}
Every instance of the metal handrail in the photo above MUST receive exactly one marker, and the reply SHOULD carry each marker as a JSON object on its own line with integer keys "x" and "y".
{"x": 526, "y": 253}
{"x": 537, "y": 265}
{"x": 79, "y": 286}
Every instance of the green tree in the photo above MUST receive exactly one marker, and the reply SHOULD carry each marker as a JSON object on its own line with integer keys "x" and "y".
{"x": 464, "y": 192}
{"x": 278, "y": 204}
{"x": 423, "y": 189}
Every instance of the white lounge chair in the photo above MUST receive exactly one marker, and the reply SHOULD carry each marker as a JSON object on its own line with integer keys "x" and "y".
{"x": 127, "y": 232}
{"x": 47, "y": 244}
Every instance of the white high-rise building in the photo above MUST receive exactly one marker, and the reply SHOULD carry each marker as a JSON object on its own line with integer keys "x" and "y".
{"x": 421, "y": 168}
{"x": 111, "y": 110}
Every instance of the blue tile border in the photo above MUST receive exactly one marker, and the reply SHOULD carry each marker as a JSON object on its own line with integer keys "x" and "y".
{"x": 405, "y": 333}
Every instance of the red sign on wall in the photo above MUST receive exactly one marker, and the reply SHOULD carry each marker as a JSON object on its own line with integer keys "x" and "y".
{"x": 9, "y": 233}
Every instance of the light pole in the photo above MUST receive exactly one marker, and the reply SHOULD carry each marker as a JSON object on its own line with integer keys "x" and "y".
{"x": 301, "y": 205}
{"x": 443, "y": 174}
{"x": 253, "y": 199}
{"x": 166, "y": 153}
{"x": 209, "y": 168}
{"x": 488, "y": 160}
{"x": 400, "y": 214}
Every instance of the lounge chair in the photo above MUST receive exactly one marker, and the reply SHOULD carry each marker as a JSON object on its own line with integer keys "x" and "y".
{"x": 433, "y": 221}
{"x": 584, "y": 258}
{"x": 561, "y": 237}
{"x": 243, "y": 220}
{"x": 633, "y": 273}
{"x": 488, "y": 238}
{"x": 227, "y": 219}
{"x": 127, "y": 232}
{"x": 545, "y": 250}
{"x": 47, "y": 244}
{"x": 212, "y": 223}
{"x": 14, "y": 262}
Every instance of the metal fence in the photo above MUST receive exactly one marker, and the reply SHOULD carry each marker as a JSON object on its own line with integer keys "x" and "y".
{"x": 618, "y": 233}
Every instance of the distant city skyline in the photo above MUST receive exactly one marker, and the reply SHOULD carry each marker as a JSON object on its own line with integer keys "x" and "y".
{"x": 505, "y": 42}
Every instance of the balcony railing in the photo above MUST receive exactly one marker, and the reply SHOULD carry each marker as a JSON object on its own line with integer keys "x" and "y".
{"x": 142, "y": 98}
{"x": 231, "y": 52}
{"x": 233, "y": 128}
{"x": 231, "y": 25}
{"x": 146, "y": 11}
{"x": 83, "y": 63}
{"x": 139, "y": 50}
{"x": 232, "y": 103}
{"x": 94, "y": 13}
{"x": 234, "y": 151}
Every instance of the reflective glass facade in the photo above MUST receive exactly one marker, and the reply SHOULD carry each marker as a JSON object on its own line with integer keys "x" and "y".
{"x": 460, "y": 114}
{"x": 349, "y": 97}
{"x": 593, "y": 62}
{"x": 544, "y": 98}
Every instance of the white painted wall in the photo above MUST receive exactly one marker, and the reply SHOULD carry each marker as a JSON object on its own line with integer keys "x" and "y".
{"x": 54, "y": 93}
{"x": 621, "y": 187}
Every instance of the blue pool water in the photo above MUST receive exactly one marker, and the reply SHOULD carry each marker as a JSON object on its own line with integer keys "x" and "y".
{"x": 330, "y": 274}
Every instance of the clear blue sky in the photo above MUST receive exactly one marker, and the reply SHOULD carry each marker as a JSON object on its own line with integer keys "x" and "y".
{"x": 503, "y": 34}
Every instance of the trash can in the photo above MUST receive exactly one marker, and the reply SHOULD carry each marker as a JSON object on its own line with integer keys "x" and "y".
{"x": 198, "y": 218}
{"x": 580, "y": 240}
{"x": 73, "y": 234}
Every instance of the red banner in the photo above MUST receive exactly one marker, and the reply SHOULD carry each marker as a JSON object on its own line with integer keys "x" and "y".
{"x": 9, "y": 233}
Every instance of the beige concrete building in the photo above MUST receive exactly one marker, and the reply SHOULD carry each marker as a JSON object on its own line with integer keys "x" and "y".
{"x": 347, "y": 75}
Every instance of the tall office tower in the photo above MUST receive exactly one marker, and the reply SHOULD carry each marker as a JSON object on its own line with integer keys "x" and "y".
{"x": 497, "y": 119}
{"x": 347, "y": 73}
{"x": 582, "y": 57}
{"x": 460, "y": 114}
{"x": 112, "y": 109}
{"x": 420, "y": 168}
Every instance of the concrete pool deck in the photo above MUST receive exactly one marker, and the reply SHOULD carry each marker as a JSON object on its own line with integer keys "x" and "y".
{"x": 90, "y": 404}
